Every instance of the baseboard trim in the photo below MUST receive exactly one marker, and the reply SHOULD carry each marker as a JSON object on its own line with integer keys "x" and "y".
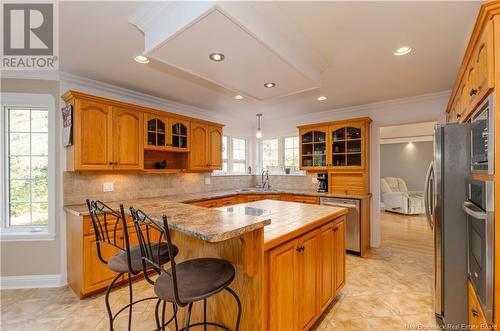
{"x": 32, "y": 281}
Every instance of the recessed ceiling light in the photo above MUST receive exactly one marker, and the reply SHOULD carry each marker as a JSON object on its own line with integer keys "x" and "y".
{"x": 141, "y": 59}
{"x": 270, "y": 85}
{"x": 402, "y": 51}
{"x": 322, "y": 98}
{"x": 238, "y": 97}
{"x": 217, "y": 57}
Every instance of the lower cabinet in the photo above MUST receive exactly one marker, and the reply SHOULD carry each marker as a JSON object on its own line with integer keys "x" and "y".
{"x": 476, "y": 318}
{"x": 303, "y": 277}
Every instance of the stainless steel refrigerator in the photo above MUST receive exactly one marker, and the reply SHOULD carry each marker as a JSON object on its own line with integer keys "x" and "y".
{"x": 445, "y": 190}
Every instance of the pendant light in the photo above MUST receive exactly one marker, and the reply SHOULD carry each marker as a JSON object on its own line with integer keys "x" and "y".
{"x": 259, "y": 132}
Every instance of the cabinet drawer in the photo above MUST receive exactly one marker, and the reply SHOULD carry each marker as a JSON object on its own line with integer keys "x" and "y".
{"x": 305, "y": 199}
{"x": 348, "y": 183}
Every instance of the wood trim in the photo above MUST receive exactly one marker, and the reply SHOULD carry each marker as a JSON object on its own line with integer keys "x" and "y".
{"x": 72, "y": 94}
{"x": 350, "y": 120}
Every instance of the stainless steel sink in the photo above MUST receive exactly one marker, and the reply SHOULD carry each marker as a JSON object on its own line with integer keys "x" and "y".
{"x": 256, "y": 189}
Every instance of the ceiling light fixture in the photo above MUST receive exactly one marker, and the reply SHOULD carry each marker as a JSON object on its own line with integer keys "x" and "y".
{"x": 322, "y": 98}
{"x": 259, "y": 132}
{"x": 238, "y": 97}
{"x": 402, "y": 51}
{"x": 270, "y": 85}
{"x": 217, "y": 57}
{"x": 141, "y": 59}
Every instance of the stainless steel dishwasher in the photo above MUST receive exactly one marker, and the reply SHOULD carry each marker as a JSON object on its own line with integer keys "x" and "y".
{"x": 352, "y": 235}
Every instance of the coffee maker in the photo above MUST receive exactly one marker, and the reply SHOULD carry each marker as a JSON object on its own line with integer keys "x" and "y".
{"x": 323, "y": 182}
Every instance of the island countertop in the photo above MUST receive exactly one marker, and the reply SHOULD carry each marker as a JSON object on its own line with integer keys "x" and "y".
{"x": 210, "y": 225}
{"x": 289, "y": 219}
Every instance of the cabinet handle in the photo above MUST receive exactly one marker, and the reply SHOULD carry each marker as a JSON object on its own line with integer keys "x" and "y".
{"x": 474, "y": 313}
{"x": 473, "y": 92}
{"x": 110, "y": 163}
{"x": 116, "y": 163}
{"x": 335, "y": 229}
{"x": 300, "y": 248}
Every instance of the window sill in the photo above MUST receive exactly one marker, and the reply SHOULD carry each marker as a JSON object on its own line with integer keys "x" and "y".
{"x": 26, "y": 236}
{"x": 230, "y": 174}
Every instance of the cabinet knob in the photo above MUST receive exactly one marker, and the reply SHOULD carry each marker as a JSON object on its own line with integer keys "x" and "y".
{"x": 459, "y": 115}
{"x": 474, "y": 313}
{"x": 300, "y": 248}
{"x": 335, "y": 229}
{"x": 110, "y": 163}
{"x": 473, "y": 92}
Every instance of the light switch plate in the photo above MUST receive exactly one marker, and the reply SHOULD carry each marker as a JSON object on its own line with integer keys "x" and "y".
{"x": 314, "y": 180}
{"x": 108, "y": 187}
{"x": 208, "y": 181}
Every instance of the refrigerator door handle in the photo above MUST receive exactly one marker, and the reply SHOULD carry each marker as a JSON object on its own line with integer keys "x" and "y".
{"x": 427, "y": 191}
{"x": 479, "y": 215}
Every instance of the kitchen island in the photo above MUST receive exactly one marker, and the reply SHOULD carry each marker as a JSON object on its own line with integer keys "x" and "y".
{"x": 289, "y": 257}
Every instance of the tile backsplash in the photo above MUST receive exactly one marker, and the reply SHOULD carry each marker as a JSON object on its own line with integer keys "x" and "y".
{"x": 78, "y": 187}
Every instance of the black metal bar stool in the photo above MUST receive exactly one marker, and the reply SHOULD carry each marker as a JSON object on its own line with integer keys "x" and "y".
{"x": 107, "y": 224}
{"x": 187, "y": 282}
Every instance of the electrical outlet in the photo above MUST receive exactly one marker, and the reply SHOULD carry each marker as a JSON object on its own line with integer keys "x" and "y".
{"x": 314, "y": 180}
{"x": 208, "y": 181}
{"x": 108, "y": 187}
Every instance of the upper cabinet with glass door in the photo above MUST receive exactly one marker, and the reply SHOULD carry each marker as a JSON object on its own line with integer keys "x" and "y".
{"x": 347, "y": 145}
{"x": 163, "y": 133}
{"x": 313, "y": 148}
{"x": 334, "y": 145}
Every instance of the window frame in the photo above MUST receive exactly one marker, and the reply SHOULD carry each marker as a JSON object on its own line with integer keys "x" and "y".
{"x": 231, "y": 170}
{"x": 297, "y": 171}
{"x": 29, "y": 233}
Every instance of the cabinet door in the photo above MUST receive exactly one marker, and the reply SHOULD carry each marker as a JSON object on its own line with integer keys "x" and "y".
{"x": 283, "y": 285}
{"x": 215, "y": 148}
{"x": 198, "y": 157}
{"x": 96, "y": 275}
{"x": 93, "y": 136}
{"x": 483, "y": 62}
{"x": 178, "y": 134}
{"x": 313, "y": 147}
{"x": 156, "y": 132}
{"x": 339, "y": 240}
{"x": 326, "y": 261}
{"x": 347, "y": 146}
{"x": 128, "y": 151}
{"x": 476, "y": 318}
{"x": 308, "y": 273}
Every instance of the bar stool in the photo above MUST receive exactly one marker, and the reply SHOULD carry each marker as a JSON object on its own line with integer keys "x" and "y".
{"x": 128, "y": 260}
{"x": 187, "y": 282}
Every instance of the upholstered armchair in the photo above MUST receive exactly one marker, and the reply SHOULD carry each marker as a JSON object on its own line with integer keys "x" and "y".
{"x": 398, "y": 199}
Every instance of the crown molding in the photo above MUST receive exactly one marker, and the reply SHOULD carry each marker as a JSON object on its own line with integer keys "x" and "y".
{"x": 355, "y": 111}
{"x": 143, "y": 99}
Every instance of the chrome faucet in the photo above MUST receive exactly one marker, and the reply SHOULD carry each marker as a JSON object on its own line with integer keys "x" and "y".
{"x": 266, "y": 185}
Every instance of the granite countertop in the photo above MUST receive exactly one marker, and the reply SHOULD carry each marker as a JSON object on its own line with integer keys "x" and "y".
{"x": 206, "y": 224}
{"x": 290, "y": 219}
{"x": 193, "y": 197}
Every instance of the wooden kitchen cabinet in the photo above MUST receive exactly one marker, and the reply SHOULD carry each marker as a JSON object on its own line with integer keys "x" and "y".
{"x": 476, "y": 76}
{"x": 339, "y": 252}
{"x": 96, "y": 275}
{"x": 206, "y": 151}
{"x": 92, "y": 147}
{"x": 304, "y": 275}
{"x": 128, "y": 152}
{"x": 313, "y": 147}
{"x": 476, "y": 318}
{"x": 326, "y": 250}
{"x": 110, "y": 135}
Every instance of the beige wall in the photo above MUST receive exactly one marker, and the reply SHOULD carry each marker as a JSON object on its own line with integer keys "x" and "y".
{"x": 23, "y": 258}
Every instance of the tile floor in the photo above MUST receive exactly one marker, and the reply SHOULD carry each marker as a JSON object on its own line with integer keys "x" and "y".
{"x": 391, "y": 289}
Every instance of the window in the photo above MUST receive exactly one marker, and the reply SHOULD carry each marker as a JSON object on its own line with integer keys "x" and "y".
{"x": 225, "y": 152}
{"x": 239, "y": 155}
{"x": 291, "y": 152}
{"x": 27, "y": 178}
{"x": 270, "y": 154}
